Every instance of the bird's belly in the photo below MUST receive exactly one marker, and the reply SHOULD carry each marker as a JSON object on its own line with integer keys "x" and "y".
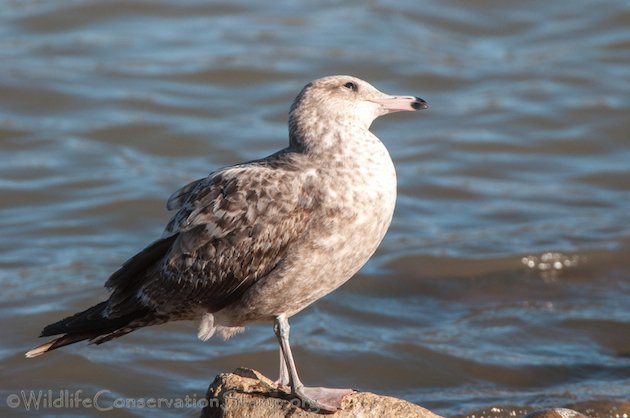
{"x": 356, "y": 208}
{"x": 330, "y": 255}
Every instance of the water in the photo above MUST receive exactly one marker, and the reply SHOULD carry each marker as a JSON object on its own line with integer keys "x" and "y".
{"x": 503, "y": 281}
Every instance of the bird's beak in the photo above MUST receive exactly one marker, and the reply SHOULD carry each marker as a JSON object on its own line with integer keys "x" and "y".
{"x": 393, "y": 104}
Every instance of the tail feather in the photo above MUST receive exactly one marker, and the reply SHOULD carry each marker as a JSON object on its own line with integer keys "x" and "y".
{"x": 58, "y": 343}
{"x": 91, "y": 318}
{"x": 94, "y": 325}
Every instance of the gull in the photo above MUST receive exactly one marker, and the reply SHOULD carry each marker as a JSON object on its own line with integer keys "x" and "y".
{"x": 262, "y": 240}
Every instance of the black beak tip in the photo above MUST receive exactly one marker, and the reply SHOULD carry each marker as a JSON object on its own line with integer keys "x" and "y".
{"x": 420, "y": 104}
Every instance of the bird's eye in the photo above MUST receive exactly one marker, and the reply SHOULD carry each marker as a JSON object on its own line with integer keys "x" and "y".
{"x": 350, "y": 86}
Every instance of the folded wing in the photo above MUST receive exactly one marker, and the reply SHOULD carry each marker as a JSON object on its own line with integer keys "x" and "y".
{"x": 232, "y": 229}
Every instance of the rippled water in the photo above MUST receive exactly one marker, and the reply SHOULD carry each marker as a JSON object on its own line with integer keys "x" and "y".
{"x": 503, "y": 281}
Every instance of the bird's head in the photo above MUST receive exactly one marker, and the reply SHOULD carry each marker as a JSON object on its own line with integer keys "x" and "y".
{"x": 344, "y": 100}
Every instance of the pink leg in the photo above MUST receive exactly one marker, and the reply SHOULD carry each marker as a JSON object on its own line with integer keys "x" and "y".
{"x": 283, "y": 376}
{"x": 326, "y": 399}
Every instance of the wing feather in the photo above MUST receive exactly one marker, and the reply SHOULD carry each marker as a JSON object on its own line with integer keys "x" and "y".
{"x": 232, "y": 229}
{"x": 177, "y": 199}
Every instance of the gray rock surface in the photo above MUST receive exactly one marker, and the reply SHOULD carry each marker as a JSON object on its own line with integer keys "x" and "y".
{"x": 247, "y": 393}
{"x": 556, "y": 413}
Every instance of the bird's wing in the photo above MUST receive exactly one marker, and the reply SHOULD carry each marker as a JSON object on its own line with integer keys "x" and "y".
{"x": 183, "y": 194}
{"x": 232, "y": 228}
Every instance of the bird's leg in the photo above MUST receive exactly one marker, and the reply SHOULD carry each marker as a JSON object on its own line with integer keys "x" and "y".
{"x": 283, "y": 376}
{"x": 326, "y": 399}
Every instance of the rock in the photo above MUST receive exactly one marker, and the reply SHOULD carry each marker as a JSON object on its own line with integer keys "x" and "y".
{"x": 603, "y": 408}
{"x": 496, "y": 411}
{"x": 590, "y": 409}
{"x": 555, "y": 413}
{"x": 247, "y": 393}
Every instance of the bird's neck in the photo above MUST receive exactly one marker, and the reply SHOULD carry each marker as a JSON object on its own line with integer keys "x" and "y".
{"x": 323, "y": 136}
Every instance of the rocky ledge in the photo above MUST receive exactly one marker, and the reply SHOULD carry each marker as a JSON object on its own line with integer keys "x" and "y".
{"x": 247, "y": 393}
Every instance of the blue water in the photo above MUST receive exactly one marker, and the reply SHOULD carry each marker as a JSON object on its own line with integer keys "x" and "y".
{"x": 503, "y": 281}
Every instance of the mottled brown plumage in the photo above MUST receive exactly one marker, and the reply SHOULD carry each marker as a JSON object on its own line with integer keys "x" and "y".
{"x": 262, "y": 240}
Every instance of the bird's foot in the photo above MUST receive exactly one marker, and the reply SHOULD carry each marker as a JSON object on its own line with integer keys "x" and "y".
{"x": 323, "y": 399}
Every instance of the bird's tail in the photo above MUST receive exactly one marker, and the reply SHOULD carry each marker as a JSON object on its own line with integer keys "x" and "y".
{"x": 94, "y": 325}
{"x": 58, "y": 343}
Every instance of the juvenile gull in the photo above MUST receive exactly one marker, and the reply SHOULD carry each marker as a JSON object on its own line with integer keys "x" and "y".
{"x": 262, "y": 240}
